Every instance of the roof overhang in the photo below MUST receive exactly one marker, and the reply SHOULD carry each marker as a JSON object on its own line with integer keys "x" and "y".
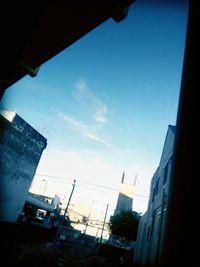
{"x": 36, "y": 31}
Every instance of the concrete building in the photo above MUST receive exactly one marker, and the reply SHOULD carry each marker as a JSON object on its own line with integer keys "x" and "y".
{"x": 21, "y": 147}
{"x": 124, "y": 203}
{"x": 152, "y": 224}
{"x": 125, "y": 197}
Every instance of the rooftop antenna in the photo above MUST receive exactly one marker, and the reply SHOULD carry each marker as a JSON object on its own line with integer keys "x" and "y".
{"x": 134, "y": 183}
{"x": 123, "y": 175}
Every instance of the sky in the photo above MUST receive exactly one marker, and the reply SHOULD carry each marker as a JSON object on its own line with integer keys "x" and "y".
{"x": 104, "y": 104}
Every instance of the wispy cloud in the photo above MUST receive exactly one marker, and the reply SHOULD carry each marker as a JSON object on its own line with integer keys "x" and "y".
{"x": 74, "y": 123}
{"x": 96, "y": 138}
{"x": 101, "y": 112}
{"x": 81, "y": 92}
{"x": 85, "y": 97}
{"x": 86, "y": 130}
{"x": 97, "y": 112}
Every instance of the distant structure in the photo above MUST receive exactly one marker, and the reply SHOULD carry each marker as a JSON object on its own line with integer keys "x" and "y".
{"x": 21, "y": 147}
{"x": 125, "y": 197}
{"x": 124, "y": 203}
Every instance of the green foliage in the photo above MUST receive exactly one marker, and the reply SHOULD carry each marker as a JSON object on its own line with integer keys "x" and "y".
{"x": 125, "y": 224}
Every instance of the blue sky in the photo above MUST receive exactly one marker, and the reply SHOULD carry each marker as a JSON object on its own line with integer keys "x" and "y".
{"x": 105, "y": 102}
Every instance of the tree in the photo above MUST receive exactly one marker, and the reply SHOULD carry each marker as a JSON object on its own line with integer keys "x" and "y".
{"x": 125, "y": 224}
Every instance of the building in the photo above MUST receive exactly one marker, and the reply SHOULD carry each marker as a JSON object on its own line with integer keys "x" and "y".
{"x": 152, "y": 224}
{"x": 21, "y": 147}
{"x": 125, "y": 197}
{"x": 124, "y": 203}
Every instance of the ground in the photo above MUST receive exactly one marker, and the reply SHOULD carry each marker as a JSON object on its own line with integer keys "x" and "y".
{"x": 20, "y": 255}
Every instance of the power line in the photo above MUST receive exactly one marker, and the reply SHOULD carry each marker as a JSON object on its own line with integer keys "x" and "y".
{"x": 85, "y": 182}
{"x": 51, "y": 176}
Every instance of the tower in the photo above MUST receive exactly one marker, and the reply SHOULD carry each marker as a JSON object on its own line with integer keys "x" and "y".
{"x": 125, "y": 197}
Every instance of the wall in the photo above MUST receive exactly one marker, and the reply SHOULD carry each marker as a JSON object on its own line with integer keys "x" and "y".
{"x": 152, "y": 224}
{"x": 21, "y": 147}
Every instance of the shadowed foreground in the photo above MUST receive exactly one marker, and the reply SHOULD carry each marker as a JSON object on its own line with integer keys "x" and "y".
{"x": 16, "y": 254}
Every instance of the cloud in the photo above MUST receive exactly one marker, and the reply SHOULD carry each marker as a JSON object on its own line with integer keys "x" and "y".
{"x": 74, "y": 123}
{"x": 81, "y": 92}
{"x": 96, "y": 138}
{"x": 85, "y": 97}
{"x": 88, "y": 131}
{"x": 100, "y": 114}
{"x": 81, "y": 86}
{"x": 97, "y": 114}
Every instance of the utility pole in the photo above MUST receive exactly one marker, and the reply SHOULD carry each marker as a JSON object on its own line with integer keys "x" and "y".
{"x": 73, "y": 186}
{"x": 104, "y": 223}
{"x": 63, "y": 219}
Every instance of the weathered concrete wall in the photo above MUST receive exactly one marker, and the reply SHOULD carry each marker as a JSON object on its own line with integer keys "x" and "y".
{"x": 21, "y": 147}
{"x": 152, "y": 225}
